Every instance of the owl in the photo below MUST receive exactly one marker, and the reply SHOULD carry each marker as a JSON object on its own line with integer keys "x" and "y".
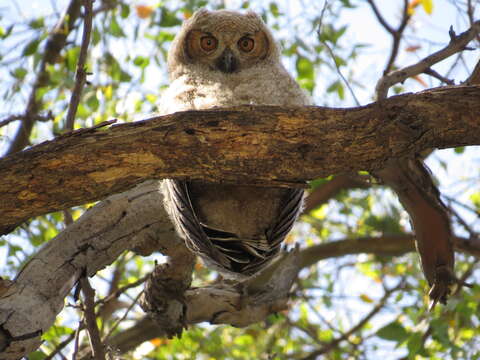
{"x": 218, "y": 59}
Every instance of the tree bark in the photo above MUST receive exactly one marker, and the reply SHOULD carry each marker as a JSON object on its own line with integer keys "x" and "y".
{"x": 265, "y": 145}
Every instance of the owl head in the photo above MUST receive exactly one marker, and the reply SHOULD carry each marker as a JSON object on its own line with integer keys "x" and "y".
{"x": 222, "y": 41}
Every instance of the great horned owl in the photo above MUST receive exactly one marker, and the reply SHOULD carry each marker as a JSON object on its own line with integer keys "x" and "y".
{"x": 225, "y": 58}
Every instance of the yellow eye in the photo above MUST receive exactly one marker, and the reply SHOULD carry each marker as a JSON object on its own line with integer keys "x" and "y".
{"x": 246, "y": 44}
{"x": 208, "y": 43}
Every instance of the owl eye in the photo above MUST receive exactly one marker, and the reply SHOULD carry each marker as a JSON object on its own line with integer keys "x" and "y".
{"x": 208, "y": 43}
{"x": 246, "y": 44}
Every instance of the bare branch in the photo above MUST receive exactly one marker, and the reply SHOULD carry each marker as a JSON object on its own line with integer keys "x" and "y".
{"x": 339, "y": 72}
{"x": 396, "y": 33}
{"x": 55, "y": 43}
{"x": 457, "y": 44}
{"x": 121, "y": 222}
{"x": 325, "y": 192}
{"x": 474, "y": 78}
{"x": 334, "y": 343}
{"x": 81, "y": 75}
{"x": 393, "y": 245}
{"x": 380, "y": 17}
{"x": 436, "y": 75}
{"x": 91, "y": 320}
{"x": 16, "y": 117}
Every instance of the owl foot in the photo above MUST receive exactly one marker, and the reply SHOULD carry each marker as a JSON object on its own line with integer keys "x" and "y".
{"x": 441, "y": 288}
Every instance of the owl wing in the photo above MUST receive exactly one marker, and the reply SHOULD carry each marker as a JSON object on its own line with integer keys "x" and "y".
{"x": 224, "y": 249}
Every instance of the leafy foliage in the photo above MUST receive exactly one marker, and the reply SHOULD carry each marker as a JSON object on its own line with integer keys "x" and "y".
{"x": 127, "y": 62}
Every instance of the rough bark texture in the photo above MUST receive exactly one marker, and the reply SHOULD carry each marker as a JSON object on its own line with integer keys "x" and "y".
{"x": 264, "y": 145}
{"x": 126, "y": 221}
{"x": 136, "y": 220}
{"x": 214, "y": 300}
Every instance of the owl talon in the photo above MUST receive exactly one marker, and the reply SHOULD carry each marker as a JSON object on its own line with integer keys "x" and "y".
{"x": 441, "y": 288}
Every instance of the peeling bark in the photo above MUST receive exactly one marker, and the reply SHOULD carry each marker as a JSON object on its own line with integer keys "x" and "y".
{"x": 122, "y": 222}
{"x": 262, "y": 144}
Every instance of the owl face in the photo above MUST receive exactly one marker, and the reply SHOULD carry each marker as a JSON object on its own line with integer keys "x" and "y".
{"x": 223, "y": 41}
{"x": 226, "y": 51}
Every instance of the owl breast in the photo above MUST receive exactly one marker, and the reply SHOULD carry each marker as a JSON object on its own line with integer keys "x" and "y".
{"x": 225, "y": 59}
{"x": 199, "y": 88}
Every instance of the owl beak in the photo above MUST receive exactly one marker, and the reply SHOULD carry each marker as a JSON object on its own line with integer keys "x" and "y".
{"x": 227, "y": 62}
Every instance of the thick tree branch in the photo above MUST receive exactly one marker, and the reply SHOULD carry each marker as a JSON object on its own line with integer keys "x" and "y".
{"x": 135, "y": 220}
{"x": 325, "y": 192}
{"x": 264, "y": 145}
{"x": 415, "y": 188}
{"x": 387, "y": 245}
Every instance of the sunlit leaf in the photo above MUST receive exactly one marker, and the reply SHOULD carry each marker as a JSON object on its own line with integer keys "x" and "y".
{"x": 427, "y": 6}
{"x": 366, "y": 298}
{"x": 144, "y": 11}
{"x": 412, "y": 48}
{"x": 419, "y": 79}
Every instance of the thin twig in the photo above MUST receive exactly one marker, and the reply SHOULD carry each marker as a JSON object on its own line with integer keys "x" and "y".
{"x": 332, "y": 55}
{"x": 470, "y": 13}
{"x": 60, "y": 346}
{"x": 438, "y": 76}
{"x": 118, "y": 322}
{"x": 397, "y": 38}
{"x": 55, "y": 43}
{"x": 98, "y": 350}
{"x": 337, "y": 67}
{"x": 334, "y": 343}
{"x": 120, "y": 291}
{"x": 15, "y": 117}
{"x": 397, "y": 34}
{"x": 81, "y": 325}
{"x": 474, "y": 78}
{"x": 380, "y": 18}
{"x": 457, "y": 44}
{"x": 81, "y": 74}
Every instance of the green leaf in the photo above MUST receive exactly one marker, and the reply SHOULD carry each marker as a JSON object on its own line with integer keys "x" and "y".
{"x": 5, "y": 33}
{"x": 72, "y": 58}
{"x": 95, "y": 36}
{"x": 337, "y": 87}
{"x": 274, "y": 9}
{"x": 141, "y": 61}
{"x": 93, "y": 102}
{"x": 393, "y": 332}
{"x": 19, "y": 73}
{"x": 115, "y": 28}
{"x": 37, "y": 23}
{"x": 347, "y": 4}
{"x": 125, "y": 11}
{"x": 414, "y": 344}
{"x": 305, "y": 72}
{"x": 304, "y": 67}
{"x": 168, "y": 18}
{"x": 37, "y": 355}
{"x": 31, "y": 47}
{"x": 459, "y": 150}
